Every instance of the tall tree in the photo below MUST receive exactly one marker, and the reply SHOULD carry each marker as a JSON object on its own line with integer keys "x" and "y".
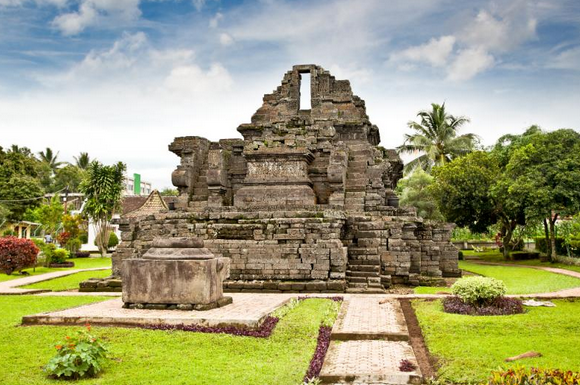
{"x": 21, "y": 150}
{"x": 83, "y": 160}
{"x": 103, "y": 188}
{"x": 436, "y": 139}
{"x": 473, "y": 191}
{"x": 50, "y": 158}
{"x": 415, "y": 190}
{"x": 19, "y": 185}
{"x": 69, "y": 177}
{"x": 545, "y": 177}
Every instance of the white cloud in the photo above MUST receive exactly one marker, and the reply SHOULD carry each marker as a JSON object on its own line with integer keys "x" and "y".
{"x": 226, "y": 39}
{"x": 501, "y": 32}
{"x": 92, "y": 11}
{"x": 473, "y": 48}
{"x": 568, "y": 59}
{"x": 214, "y": 21}
{"x": 468, "y": 63}
{"x": 435, "y": 52}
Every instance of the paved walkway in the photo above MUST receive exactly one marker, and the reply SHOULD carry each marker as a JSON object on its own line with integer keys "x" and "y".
{"x": 368, "y": 343}
{"x": 11, "y": 287}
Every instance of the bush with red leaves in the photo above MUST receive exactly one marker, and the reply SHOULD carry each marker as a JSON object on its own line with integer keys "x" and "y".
{"x": 499, "y": 306}
{"x": 17, "y": 254}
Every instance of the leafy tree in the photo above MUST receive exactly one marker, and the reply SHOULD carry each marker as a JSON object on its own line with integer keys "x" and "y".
{"x": 545, "y": 177}
{"x": 68, "y": 177}
{"x": 21, "y": 150}
{"x": 19, "y": 185}
{"x": 414, "y": 190}
{"x": 102, "y": 188}
{"x": 436, "y": 139}
{"x": 50, "y": 158}
{"x": 169, "y": 192}
{"x": 50, "y": 215}
{"x": 473, "y": 192}
{"x": 83, "y": 160}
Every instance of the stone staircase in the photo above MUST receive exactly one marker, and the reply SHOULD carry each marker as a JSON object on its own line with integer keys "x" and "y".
{"x": 356, "y": 176}
{"x": 200, "y": 189}
{"x": 363, "y": 272}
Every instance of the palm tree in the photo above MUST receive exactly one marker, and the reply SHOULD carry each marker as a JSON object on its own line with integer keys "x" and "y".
{"x": 20, "y": 150}
{"x": 83, "y": 160}
{"x": 436, "y": 139}
{"x": 50, "y": 159}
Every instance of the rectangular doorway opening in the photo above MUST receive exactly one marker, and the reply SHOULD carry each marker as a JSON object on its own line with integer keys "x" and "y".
{"x": 305, "y": 103}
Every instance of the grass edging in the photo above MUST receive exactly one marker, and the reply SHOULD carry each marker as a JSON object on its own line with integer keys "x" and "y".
{"x": 427, "y": 362}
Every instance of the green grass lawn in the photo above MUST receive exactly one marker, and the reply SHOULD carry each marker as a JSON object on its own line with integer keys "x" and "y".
{"x": 80, "y": 263}
{"x": 162, "y": 357}
{"x": 68, "y": 282}
{"x": 497, "y": 257}
{"x": 522, "y": 280}
{"x": 469, "y": 348}
{"x": 519, "y": 280}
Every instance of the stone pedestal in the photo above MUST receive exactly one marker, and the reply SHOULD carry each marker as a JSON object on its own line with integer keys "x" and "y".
{"x": 176, "y": 273}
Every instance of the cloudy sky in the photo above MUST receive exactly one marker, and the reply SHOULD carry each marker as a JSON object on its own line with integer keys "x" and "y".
{"x": 120, "y": 78}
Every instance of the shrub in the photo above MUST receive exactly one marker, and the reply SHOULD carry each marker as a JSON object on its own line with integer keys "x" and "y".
{"x": 77, "y": 357}
{"x": 113, "y": 240}
{"x": 48, "y": 251}
{"x": 8, "y": 233}
{"x": 533, "y": 376}
{"x": 542, "y": 246}
{"x": 63, "y": 238}
{"x": 478, "y": 291}
{"x": 17, "y": 254}
{"x": 460, "y": 255}
{"x": 82, "y": 254}
{"x": 59, "y": 256}
{"x": 84, "y": 238}
{"x": 499, "y": 306}
{"x": 524, "y": 255}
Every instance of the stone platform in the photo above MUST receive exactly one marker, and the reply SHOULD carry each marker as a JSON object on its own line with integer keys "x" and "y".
{"x": 247, "y": 311}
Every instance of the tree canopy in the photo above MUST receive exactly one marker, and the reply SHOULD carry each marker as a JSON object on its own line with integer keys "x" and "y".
{"x": 103, "y": 189}
{"x": 436, "y": 139}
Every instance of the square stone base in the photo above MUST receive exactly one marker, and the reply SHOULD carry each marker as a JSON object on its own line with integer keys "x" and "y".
{"x": 171, "y": 282}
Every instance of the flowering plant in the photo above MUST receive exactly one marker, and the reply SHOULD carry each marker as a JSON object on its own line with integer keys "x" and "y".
{"x": 79, "y": 356}
{"x": 17, "y": 254}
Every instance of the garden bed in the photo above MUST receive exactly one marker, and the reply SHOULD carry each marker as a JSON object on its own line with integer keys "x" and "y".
{"x": 61, "y": 265}
{"x": 469, "y": 348}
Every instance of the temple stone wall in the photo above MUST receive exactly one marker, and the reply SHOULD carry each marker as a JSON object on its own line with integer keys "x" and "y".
{"x": 304, "y": 200}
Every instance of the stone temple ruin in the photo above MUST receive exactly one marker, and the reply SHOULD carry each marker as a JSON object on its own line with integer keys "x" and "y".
{"x": 304, "y": 202}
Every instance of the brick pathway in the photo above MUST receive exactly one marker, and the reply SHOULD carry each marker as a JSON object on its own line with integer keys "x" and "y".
{"x": 11, "y": 287}
{"x": 360, "y": 318}
{"x": 369, "y": 340}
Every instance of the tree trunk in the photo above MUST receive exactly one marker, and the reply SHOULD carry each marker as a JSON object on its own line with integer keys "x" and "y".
{"x": 547, "y": 237}
{"x": 553, "y": 237}
{"x": 509, "y": 230}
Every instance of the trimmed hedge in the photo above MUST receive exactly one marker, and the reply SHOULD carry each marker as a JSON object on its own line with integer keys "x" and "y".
{"x": 542, "y": 246}
{"x": 524, "y": 255}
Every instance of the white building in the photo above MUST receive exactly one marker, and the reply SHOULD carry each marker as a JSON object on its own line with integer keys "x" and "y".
{"x": 135, "y": 186}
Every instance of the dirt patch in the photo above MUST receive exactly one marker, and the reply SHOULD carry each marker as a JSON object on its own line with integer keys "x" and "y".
{"x": 427, "y": 363}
